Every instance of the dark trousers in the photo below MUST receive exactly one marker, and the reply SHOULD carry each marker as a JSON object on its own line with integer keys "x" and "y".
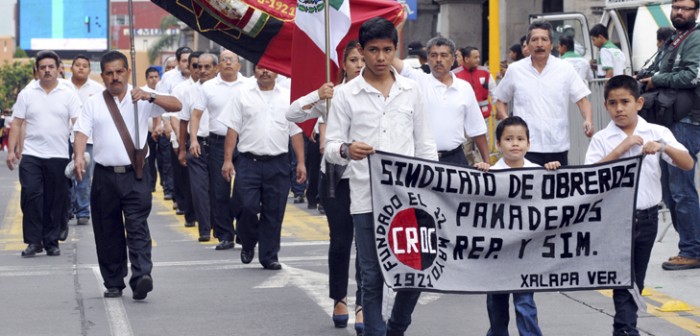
{"x": 313, "y": 168}
{"x": 542, "y": 158}
{"x": 182, "y": 195}
{"x": 646, "y": 224}
{"x": 43, "y": 199}
{"x": 198, "y": 168}
{"x": 152, "y": 149}
{"x": 120, "y": 203}
{"x": 219, "y": 190}
{"x": 165, "y": 163}
{"x": 341, "y": 235}
{"x": 297, "y": 188}
{"x": 457, "y": 157}
{"x": 262, "y": 189}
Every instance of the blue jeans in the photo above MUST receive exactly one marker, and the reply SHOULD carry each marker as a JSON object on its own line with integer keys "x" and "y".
{"x": 525, "y": 312}
{"x": 373, "y": 282}
{"x": 81, "y": 195}
{"x": 680, "y": 195}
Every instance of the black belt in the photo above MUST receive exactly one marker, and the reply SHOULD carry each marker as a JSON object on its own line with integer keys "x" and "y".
{"x": 449, "y": 152}
{"x": 647, "y": 211}
{"x": 262, "y": 157}
{"x": 116, "y": 169}
{"x": 216, "y": 136}
{"x": 202, "y": 140}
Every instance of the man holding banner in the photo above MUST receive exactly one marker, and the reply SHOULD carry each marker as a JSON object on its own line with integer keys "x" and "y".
{"x": 379, "y": 110}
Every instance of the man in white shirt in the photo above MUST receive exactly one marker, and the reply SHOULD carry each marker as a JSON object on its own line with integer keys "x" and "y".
{"x": 48, "y": 109}
{"x": 256, "y": 122}
{"x": 215, "y": 94}
{"x": 179, "y": 74}
{"x": 449, "y": 103}
{"x": 159, "y": 144}
{"x": 380, "y": 110}
{"x": 611, "y": 60}
{"x": 541, "y": 87}
{"x": 120, "y": 200}
{"x": 86, "y": 88}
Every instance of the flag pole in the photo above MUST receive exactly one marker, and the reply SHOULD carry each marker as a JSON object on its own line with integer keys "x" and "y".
{"x": 330, "y": 171}
{"x": 133, "y": 72}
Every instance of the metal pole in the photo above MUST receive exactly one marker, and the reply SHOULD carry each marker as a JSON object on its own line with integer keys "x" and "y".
{"x": 133, "y": 73}
{"x": 330, "y": 170}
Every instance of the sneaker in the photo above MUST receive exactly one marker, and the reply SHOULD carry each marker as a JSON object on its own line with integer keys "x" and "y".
{"x": 679, "y": 263}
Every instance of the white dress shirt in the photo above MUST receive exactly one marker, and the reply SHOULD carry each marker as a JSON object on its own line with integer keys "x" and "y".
{"x": 259, "y": 119}
{"x": 451, "y": 111}
{"x": 186, "y": 92}
{"x": 170, "y": 80}
{"x": 89, "y": 89}
{"x": 108, "y": 148}
{"x": 396, "y": 124}
{"x": 48, "y": 119}
{"x": 605, "y": 141}
{"x": 542, "y": 100}
{"x": 214, "y": 96}
{"x": 501, "y": 164}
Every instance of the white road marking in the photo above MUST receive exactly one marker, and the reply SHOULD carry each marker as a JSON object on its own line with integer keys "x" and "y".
{"x": 119, "y": 324}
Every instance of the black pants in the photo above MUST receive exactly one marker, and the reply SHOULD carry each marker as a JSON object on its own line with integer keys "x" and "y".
{"x": 198, "y": 169}
{"x": 341, "y": 235}
{"x": 151, "y": 166}
{"x": 44, "y": 199}
{"x": 313, "y": 168}
{"x": 542, "y": 158}
{"x": 183, "y": 195}
{"x": 165, "y": 163}
{"x": 219, "y": 190}
{"x": 263, "y": 187}
{"x": 457, "y": 157}
{"x": 121, "y": 202}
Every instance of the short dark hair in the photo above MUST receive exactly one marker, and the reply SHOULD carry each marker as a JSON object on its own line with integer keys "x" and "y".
{"x": 540, "y": 24}
{"x": 467, "y": 51}
{"x": 152, "y": 69}
{"x": 663, "y": 33}
{"x": 511, "y": 121}
{"x": 518, "y": 50}
{"x": 81, "y": 56}
{"x": 180, "y": 51}
{"x": 194, "y": 54}
{"x": 599, "y": 30}
{"x": 523, "y": 40}
{"x": 47, "y": 54}
{"x": 414, "y": 47}
{"x": 567, "y": 42}
{"x": 378, "y": 28}
{"x": 112, "y": 56}
{"x": 622, "y": 82}
{"x": 697, "y": 3}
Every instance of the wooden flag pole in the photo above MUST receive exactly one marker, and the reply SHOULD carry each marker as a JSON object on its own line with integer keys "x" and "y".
{"x": 133, "y": 73}
{"x": 330, "y": 171}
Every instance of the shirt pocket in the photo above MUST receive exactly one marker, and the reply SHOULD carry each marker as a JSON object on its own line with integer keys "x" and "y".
{"x": 401, "y": 119}
{"x": 522, "y": 99}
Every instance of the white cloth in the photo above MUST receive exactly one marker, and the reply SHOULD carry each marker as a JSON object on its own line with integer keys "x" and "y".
{"x": 611, "y": 57}
{"x": 542, "y": 100}
{"x": 186, "y": 92}
{"x": 89, "y": 89}
{"x": 170, "y": 80}
{"x": 108, "y": 148}
{"x": 214, "y": 96}
{"x": 501, "y": 164}
{"x": 396, "y": 124}
{"x": 452, "y": 111}
{"x": 259, "y": 119}
{"x": 582, "y": 67}
{"x": 48, "y": 119}
{"x": 605, "y": 141}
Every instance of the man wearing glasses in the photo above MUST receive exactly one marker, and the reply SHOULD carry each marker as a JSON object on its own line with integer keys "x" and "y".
{"x": 677, "y": 65}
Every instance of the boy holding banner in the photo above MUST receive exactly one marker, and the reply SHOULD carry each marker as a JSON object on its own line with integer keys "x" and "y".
{"x": 513, "y": 141}
{"x": 629, "y": 135}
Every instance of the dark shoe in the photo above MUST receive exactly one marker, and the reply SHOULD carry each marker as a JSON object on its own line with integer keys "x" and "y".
{"x": 298, "y": 199}
{"x": 83, "y": 221}
{"x": 359, "y": 321}
{"x": 247, "y": 256}
{"x": 63, "y": 235}
{"x": 174, "y": 205}
{"x": 679, "y": 263}
{"x": 275, "y": 266}
{"x": 113, "y": 293}
{"x": 168, "y": 197}
{"x": 179, "y": 212}
{"x": 32, "y": 250}
{"x": 53, "y": 251}
{"x": 224, "y": 245}
{"x": 312, "y": 205}
{"x": 204, "y": 238}
{"x": 143, "y": 286}
{"x": 189, "y": 224}
{"x": 340, "y": 320}
{"x": 321, "y": 210}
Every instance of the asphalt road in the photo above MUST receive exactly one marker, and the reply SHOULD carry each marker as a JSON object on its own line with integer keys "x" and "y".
{"x": 200, "y": 291}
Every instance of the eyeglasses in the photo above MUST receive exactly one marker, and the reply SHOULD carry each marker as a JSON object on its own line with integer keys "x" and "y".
{"x": 682, "y": 9}
{"x": 228, "y": 59}
{"x": 195, "y": 65}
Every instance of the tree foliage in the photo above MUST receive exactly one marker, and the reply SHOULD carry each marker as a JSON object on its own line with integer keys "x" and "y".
{"x": 13, "y": 78}
{"x": 164, "y": 41}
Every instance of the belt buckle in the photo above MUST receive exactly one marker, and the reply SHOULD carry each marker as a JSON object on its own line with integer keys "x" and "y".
{"x": 120, "y": 169}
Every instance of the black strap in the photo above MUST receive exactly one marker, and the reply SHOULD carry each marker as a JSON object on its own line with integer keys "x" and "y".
{"x": 137, "y": 157}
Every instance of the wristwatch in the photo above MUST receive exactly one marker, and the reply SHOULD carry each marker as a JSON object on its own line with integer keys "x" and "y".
{"x": 344, "y": 151}
{"x": 663, "y": 145}
{"x": 153, "y": 97}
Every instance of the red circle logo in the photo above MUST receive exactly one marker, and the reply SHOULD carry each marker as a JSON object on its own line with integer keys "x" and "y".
{"x": 412, "y": 238}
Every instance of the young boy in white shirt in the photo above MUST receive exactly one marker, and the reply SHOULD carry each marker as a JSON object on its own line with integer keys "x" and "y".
{"x": 513, "y": 141}
{"x": 625, "y": 136}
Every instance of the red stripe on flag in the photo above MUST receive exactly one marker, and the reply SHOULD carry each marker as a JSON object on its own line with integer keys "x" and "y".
{"x": 244, "y": 20}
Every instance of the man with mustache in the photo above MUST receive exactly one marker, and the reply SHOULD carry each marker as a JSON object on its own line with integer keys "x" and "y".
{"x": 48, "y": 109}
{"x": 120, "y": 199}
{"x": 677, "y": 64}
{"x": 255, "y": 120}
{"x": 450, "y": 103}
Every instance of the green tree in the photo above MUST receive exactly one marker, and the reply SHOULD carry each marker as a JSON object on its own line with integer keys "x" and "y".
{"x": 20, "y": 53}
{"x": 164, "y": 41}
{"x": 14, "y": 77}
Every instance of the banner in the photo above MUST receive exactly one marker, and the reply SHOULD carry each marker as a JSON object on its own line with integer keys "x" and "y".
{"x": 446, "y": 228}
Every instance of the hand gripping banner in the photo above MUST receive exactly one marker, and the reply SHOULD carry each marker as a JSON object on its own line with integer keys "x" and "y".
{"x": 447, "y": 228}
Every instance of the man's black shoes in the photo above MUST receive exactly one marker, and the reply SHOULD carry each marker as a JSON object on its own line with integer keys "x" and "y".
{"x": 274, "y": 266}
{"x": 63, "y": 235}
{"x": 224, "y": 245}
{"x": 143, "y": 285}
{"x": 204, "y": 238}
{"x": 113, "y": 293}
{"x": 32, "y": 250}
{"x": 247, "y": 256}
{"x": 189, "y": 224}
{"x": 53, "y": 251}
